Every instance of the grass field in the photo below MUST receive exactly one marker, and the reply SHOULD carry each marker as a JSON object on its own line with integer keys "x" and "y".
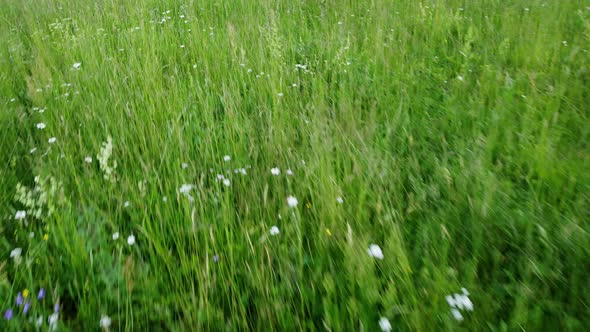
{"x": 294, "y": 165}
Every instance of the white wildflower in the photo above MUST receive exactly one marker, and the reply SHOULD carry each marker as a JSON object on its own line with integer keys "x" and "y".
{"x": 226, "y": 158}
{"x": 184, "y": 165}
{"x": 15, "y": 253}
{"x": 103, "y": 158}
{"x": 39, "y": 321}
{"x": 105, "y": 322}
{"x": 52, "y": 140}
{"x": 339, "y": 200}
{"x": 185, "y": 188}
{"x": 88, "y": 159}
{"x": 450, "y": 300}
{"x": 384, "y": 324}
{"x": 115, "y": 236}
{"x": 459, "y": 302}
{"x": 274, "y": 230}
{"x": 77, "y": 65}
{"x": 375, "y": 251}
{"x": 457, "y": 314}
{"x": 292, "y": 201}
{"x": 40, "y": 125}
{"x": 20, "y": 215}
{"x": 126, "y": 204}
{"x": 275, "y": 171}
{"x": 463, "y": 302}
{"x": 226, "y": 182}
{"x": 131, "y": 240}
{"x": 289, "y": 172}
{"x": 53, "y": 321}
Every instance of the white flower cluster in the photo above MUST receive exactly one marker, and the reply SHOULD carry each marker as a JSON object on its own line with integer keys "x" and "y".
{"x": 459, "y": 302}
{"x": 185, "y": 189}
{"x": 106, "y": 152}
{"x": 41, "y": 200}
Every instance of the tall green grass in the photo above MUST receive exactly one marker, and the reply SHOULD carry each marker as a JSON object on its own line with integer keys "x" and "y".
{"x": 455, "y": 132}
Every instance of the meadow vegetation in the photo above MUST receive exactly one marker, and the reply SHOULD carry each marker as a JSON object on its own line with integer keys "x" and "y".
{"x": 294, "y": 165}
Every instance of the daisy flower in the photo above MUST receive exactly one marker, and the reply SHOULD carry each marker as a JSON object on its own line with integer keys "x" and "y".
{"x": 274, "y": 230}
{"x": 20, "y": 215}
{"x": 185, "y": 189}
{"x": 375, "y": 251}
{"x": 384, "y": 324}
{"x": 459, "y": 302}
{"x": 15, "y": 253}
{"x": 105, "y": 322}
{"x": 292, "y": 201}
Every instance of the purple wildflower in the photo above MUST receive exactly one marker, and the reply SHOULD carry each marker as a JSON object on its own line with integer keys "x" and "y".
{"x": 19, "y": 299}
{"x": 56, "y": 307}
{"x": 41, "y": 294}
{"x": 215, "y": 258}
{"x": 27, "y": 307}
{"x": 8, "y": 314}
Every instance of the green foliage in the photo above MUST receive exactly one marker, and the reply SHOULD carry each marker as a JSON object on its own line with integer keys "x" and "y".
{"x": 455, "y": 133}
